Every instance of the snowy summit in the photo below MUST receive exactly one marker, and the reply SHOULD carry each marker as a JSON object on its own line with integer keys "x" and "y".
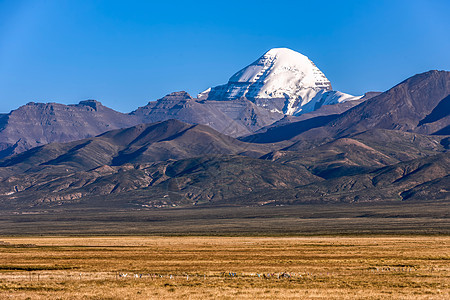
{"x": 281, "y": 73}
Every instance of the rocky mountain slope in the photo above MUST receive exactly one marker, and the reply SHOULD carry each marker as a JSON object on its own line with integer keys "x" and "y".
{"x": 403, "y": 107}
{"x": 345, "y": 170}
{"x": 234, "y": 118}
{"x": 36, "y": 124}
{"x": 423, "y": 179}
{"x": 324, "y": 110}
{"x": 193, "y": 181}
{"x": 143, "y": 143}
{"x": 173, "y": 164}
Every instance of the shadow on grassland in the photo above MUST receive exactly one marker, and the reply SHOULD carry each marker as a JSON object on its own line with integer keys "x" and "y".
{"x": 341, "y": 219}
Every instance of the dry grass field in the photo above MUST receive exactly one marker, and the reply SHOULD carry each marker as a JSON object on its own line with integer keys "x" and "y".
{"x": 378, "y": 267}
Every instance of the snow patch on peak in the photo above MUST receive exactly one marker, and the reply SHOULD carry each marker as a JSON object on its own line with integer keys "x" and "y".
{"x": 324, "y": 98}
{"x": 279, "y": 73}
{"x": 277, "y": 66}
{"x": 204, "y": 95}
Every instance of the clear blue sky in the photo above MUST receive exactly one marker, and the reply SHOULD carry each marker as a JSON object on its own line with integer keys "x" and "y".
{"x": 126, "y": 53}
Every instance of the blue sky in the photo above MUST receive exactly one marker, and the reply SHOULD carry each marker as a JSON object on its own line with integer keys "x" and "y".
{"x": 126, "y": 53}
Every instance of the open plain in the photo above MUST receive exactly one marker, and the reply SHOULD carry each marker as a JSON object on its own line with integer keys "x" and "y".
{"x": 154, "y": 267}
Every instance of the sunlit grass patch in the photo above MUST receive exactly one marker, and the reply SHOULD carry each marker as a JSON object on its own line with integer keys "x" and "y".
{"x": 226, "y": 267}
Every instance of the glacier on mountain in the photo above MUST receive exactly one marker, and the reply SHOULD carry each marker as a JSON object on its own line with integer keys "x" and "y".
{"x": 282, "y": 74}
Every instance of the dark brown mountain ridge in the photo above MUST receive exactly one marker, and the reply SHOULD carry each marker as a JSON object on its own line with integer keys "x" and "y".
{"x": 142, "y": 143}
{"x": 402, "y": 108}
{"x": 360, "y": 168}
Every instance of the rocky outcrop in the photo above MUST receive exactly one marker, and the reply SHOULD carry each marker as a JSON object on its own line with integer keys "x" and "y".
{"x": 234, "y": 118}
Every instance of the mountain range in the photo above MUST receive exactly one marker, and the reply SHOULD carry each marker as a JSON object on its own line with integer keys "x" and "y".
{"x": 275, "y": 134}
{"x": 235, "y": 115}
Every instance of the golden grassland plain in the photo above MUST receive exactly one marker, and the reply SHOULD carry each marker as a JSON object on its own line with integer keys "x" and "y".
{"x": 378, "y": 267}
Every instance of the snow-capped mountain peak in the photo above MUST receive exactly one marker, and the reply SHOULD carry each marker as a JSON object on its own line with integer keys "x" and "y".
{"x": 280, "y": 69}
{"x": 280, "y": 73}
